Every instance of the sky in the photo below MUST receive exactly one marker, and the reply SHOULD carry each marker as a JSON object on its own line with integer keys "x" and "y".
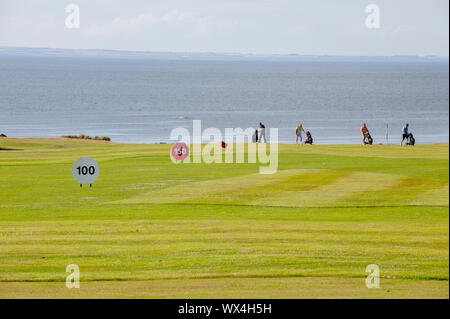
{"x": 332, "y": 27}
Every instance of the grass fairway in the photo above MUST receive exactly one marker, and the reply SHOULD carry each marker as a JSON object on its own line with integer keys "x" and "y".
{"x": 151, "y": 228}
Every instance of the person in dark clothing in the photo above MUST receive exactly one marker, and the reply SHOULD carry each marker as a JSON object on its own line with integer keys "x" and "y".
{"x": 405, "y": 133}
{"x": 262, "y": 133}
{"x": 309, "y": 139}
{"x": 255, "y": 137}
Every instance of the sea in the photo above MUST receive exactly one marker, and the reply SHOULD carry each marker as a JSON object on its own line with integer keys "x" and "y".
{"x": 141, "y": 100}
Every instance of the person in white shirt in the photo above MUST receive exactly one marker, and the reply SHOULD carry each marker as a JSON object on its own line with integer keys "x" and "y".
{"x": 298, "y": 133}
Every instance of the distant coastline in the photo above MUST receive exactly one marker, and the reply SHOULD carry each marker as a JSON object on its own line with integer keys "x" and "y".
{"x": 61, "y": 52}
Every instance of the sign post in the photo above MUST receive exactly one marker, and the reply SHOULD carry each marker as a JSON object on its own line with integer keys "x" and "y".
{"x": 387, "y": 133}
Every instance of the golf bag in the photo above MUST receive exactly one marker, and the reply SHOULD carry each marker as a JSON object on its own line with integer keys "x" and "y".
{"x": 410, "y": 140}
{"x": 368, "y": 139}
{"x": 309, "y": 139}
{"x": 255, "y": 137}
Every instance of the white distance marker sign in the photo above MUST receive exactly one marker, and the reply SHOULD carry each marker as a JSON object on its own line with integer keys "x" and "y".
{"x": 85, "y": 170}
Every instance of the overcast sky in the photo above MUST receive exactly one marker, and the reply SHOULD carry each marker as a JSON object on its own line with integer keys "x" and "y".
{"x": 240, "y": 26}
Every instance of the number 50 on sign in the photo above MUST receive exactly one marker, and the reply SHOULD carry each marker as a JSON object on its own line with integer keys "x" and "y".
{"x": 85, "y": 170}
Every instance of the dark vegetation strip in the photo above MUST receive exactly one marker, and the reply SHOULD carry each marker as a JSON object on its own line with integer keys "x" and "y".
{"x": 224, "y": 276}
{"x": 10, "y": 149}
{"x": 289, "y": 207}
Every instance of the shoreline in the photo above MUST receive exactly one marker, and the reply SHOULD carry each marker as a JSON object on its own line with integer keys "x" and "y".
{"x": 174, "y": 142}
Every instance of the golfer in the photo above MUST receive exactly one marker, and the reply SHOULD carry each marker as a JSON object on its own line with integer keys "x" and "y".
{"x": 364, "y": 132}
{"x": 298, "y": 133}
{"x": 405, "y": 133}
{"x": 262, "y": 133}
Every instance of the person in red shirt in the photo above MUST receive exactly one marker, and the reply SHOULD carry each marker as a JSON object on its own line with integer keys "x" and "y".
{"x": 364, "y": 132}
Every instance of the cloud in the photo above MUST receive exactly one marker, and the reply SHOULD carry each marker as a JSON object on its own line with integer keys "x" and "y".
{"x": 403, "y": 29}
{"x": 142, "y": 22}
{"x": 175, "y": 15}
{"x": 121, "y": 25}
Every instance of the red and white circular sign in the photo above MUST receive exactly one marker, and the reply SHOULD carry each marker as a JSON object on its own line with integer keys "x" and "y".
{"x": 180, "y": 151}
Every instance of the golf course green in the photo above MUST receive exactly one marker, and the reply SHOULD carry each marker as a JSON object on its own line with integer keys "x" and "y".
{"x": 150, "y": 228}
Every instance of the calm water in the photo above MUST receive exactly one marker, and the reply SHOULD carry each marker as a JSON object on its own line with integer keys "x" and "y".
{"x": 142, "y": 100}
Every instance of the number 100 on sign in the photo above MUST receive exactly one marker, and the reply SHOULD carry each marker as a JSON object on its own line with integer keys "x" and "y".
{"x": 85, "y": 170}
